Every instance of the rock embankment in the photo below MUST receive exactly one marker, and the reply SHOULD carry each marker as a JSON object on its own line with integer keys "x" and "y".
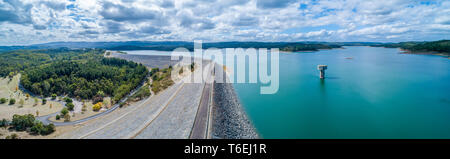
{"x": 229, "y": 120}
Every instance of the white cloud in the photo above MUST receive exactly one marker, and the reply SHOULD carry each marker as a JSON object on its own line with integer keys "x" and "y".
{"x": 34, "y": 21}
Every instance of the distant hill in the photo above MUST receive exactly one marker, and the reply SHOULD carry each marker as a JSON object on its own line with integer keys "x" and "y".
{"x": 171, "y": 45}
{"x": 435, "y": 46}
{"x": 441, "y": 46}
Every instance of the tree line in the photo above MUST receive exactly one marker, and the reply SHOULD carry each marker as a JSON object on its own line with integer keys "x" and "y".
{"x": 81, "y": 73}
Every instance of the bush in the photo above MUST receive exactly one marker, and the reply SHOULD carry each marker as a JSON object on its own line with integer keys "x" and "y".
{"x": 13, "y": 136}
{"x": 66, "y": 117}
{"x": 70, "y": 106}
{"x": 181, "y": 71}
{"x": 97, "y": 99}
{"x": 54, "y": 96}
{"x": 44, "y": 101}
{"x": 22, "y": 122}
{"x": 40, "y": 128}
{"x": 142, "y": 93}
{"x": 64, "y": 111}
{"x": 4, "y": 123}
{"x": 192, "y": 67}
{"x": 97, "y": 106}
{"x": 2, "y": 101}
{"x": 12, "y": 101}
{"x": 58, "y": 117}
{"x": 68, "y": 100}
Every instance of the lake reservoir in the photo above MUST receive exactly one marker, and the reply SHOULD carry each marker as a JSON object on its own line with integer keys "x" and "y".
{"x": 368, "y": 92}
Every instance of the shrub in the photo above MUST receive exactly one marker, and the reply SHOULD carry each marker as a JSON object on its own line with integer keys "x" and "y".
{"x": 37, "y": 128}
{"x": 64, "y": 111}
{"x": 40, "y": 128}
{"x": 58, "y": 117}
{"x": 2, "y": 100}
{"x": 192, "y": 67}
{"x": 67, "y": 117}
{"x": 12, "y": 101}
{"x": 121, "y": 104}
{"x": 97, "y": 106}
{"x": 4, "y": 123}
{"x": 68, "y": 100}
{"x": 70, "y": 106}
{"x": 181, "y": 71}
{"x": 97, "y": 99}
{"x": 44, "y": 101}
{"x": 54, "y": 96}
{"x": 142, "y": 93}
{"x": 13, "y": 136}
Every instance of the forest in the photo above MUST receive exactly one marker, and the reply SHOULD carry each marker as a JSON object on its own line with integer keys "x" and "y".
{"x": 441, "y": 46}
{"x": 80, "y": 73}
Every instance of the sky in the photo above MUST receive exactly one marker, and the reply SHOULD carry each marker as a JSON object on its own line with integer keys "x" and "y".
{"x": 28, "y": 22}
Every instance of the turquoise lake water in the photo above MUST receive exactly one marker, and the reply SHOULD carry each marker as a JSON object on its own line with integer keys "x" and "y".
{"x": 379, "y": 93}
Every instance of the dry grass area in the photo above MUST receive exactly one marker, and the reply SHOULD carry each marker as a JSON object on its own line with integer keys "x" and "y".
{"x": 9, "y": 90}
{"x": 86, "y": 112}
{"x": 25, "y": 135}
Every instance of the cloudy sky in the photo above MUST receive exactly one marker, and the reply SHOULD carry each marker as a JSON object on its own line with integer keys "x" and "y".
{"x": 38, "y": 21}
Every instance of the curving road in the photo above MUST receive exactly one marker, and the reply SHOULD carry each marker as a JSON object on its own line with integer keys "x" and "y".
{"x": 45, "y": 119}
{"x": 169, "y": 114}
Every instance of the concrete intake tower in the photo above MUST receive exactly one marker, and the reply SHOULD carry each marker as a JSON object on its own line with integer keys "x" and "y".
{"x": 322, "y": 69}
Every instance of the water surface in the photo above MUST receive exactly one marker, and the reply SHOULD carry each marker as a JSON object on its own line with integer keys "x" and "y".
{"x": 378, "y": 93}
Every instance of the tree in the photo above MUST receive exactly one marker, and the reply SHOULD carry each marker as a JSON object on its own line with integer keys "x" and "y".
{"x": 11, "y": 75}
{"x": 54, "y": 96}
{"x": 57, "y": 117}
{"x": 40, "y": 128}
{"x": 64, "y": 111}
{"x": 44, "y": 101}
{"x": 12, "y": 101}
{"x": 70, "y": 106}
{"x": 22, "y": 122}
{"x": 37, "y": 128}
{"x": 68, "y": 100}
{"x": 101, "y": 93}
{"x": 2, "y": 100}
{"x": 66, "y": 117}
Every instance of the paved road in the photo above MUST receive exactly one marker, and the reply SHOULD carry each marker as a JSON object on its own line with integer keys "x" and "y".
{"x": 200, "y": 128}
{"x": 45, "y": 119}
{"x": 170, "y": 114}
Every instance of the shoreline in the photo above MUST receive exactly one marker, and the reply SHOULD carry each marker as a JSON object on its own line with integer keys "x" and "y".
{"x": 403, "y": 51}
{"x": 229, "y": 119}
